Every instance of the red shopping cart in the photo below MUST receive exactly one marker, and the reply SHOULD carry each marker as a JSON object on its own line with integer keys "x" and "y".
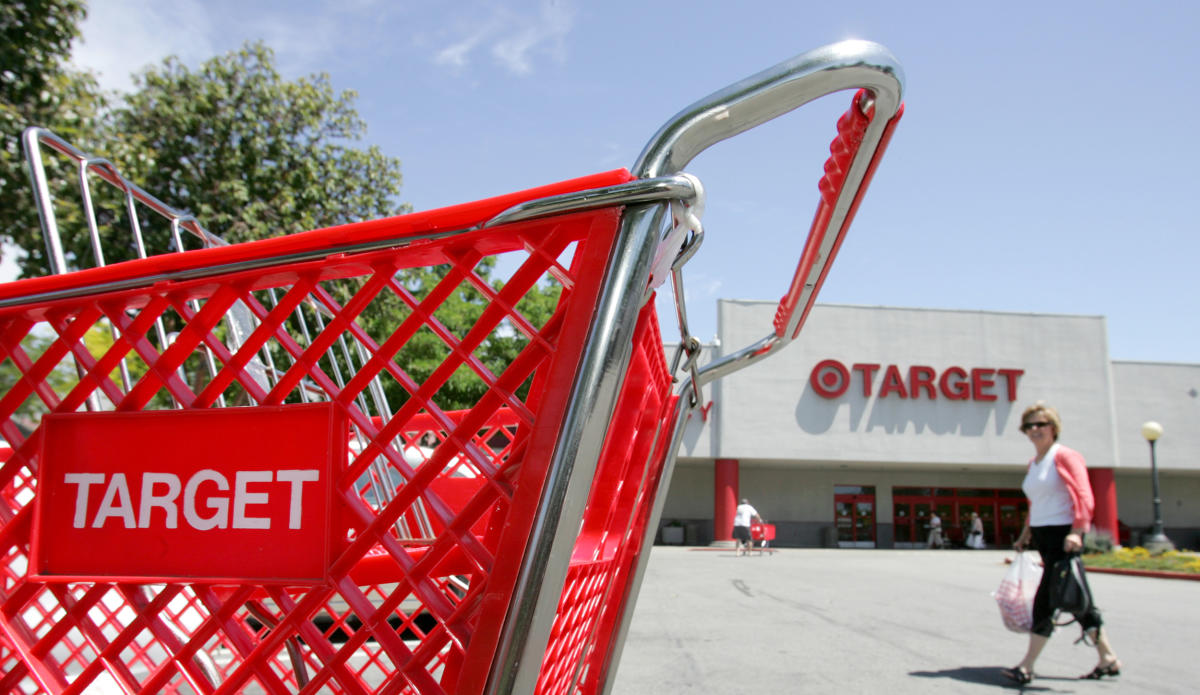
{"x": 246, "y": 486}
{"x": 762, "y": 535}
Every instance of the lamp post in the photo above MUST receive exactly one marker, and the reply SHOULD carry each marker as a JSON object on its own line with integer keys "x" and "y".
{"x": 1158, "y": 540}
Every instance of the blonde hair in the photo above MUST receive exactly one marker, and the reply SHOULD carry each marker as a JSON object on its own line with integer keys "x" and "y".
{"x": 1045, "y": 411}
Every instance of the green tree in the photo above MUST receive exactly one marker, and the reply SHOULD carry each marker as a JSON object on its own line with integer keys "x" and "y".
{"x": 251, "y": 156}
{"x": 37, "y": 87}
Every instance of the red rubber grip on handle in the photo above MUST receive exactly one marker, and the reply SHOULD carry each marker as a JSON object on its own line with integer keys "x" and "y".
{"x": 851, "y": 128}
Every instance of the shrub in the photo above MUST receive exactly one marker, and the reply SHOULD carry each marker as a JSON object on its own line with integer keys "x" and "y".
{"x": 1142, "y": 559}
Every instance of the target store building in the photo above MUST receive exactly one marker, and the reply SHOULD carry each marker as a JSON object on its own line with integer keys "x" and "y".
{"x": 876, "y": 417}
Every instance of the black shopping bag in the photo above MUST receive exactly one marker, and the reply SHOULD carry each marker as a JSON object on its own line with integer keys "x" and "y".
{"x": 1069, "y": 592}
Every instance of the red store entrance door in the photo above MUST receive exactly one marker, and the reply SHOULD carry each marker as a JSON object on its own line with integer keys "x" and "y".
{"x": 854, "y": 515}
{"x": 913, "y": 512}
{"x": 1002, "y": 511}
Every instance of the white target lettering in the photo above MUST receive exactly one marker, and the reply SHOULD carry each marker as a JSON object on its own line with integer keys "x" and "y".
{"x": 206, "y": 500}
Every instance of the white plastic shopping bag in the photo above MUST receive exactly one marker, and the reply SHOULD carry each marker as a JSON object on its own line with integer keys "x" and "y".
{"x": 1016, "y": 592}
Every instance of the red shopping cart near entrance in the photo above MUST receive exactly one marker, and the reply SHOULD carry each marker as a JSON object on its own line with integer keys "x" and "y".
{"x": 245, "y": 481}
{"x": 762, "y": 535}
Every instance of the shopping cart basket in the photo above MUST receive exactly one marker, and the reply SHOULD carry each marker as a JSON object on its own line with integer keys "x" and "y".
{"x": 245, "y": 483}
{"x": 762, "y": 535}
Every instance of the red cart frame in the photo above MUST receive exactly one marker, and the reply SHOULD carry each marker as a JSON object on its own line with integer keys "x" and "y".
{"x": 248, "y": 486}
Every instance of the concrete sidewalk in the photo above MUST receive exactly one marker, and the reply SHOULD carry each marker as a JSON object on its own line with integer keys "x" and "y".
{"x": 892, "y": 621}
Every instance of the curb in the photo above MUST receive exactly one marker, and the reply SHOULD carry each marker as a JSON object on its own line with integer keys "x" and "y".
{"x": 1159, "y": 574}
{"x": 1156, "y": 574}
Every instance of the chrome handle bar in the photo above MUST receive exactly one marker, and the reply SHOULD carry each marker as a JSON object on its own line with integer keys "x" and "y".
{"x": 765, "y": 96}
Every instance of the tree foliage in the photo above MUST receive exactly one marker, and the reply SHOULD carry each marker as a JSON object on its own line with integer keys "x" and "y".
{"x": 251, "y": 155}
{"x": 38, "y": 87}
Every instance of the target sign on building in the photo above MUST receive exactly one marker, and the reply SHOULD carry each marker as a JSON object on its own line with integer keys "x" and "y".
{"x": 831, "y": 379}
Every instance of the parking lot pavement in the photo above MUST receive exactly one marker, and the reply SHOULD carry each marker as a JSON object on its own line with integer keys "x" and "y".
{"x": 882, "y": 621}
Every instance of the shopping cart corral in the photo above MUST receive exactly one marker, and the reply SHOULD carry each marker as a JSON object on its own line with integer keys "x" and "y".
{"x": 245, "y": 488}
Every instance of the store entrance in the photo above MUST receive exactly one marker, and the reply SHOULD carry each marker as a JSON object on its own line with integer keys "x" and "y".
{"x": 1002, "y": 511}
{"x": 854, "y": 515}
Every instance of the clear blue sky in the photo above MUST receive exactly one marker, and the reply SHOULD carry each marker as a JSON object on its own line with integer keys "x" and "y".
{"x": 1047, "y": 161}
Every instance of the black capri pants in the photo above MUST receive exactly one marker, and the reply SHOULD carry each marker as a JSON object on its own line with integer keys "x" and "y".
{"x": 1049, "y": 542}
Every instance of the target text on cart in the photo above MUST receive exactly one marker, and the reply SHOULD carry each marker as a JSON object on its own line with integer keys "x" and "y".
{"x": 203, "y": 500}
{"x": 218, "y": 495}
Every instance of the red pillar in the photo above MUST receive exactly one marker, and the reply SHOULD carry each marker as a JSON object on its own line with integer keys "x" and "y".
{"x": 1104, "y": 488}
{"x": 725, "y": 500}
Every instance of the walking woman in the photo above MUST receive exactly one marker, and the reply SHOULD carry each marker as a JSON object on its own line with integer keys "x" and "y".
{"x": 1060, "y": 512}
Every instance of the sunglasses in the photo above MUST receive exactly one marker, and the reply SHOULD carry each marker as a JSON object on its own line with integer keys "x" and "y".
{"x": 1033, "y": 425}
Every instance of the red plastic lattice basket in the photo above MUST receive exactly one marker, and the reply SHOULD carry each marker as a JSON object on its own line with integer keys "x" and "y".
{"x": 405, "y": 602}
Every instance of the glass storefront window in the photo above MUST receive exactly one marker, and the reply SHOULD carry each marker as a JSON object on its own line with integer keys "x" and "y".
{"x": 854, "y": 516}
{"x": 844, "y": 521}
{"x": 904, "y": 523}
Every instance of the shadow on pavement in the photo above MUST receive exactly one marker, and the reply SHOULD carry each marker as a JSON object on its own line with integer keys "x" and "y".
{"x": 980, "y": 675}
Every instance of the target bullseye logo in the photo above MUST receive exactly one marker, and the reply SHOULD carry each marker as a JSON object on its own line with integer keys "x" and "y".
{"x": 830, "y": 378}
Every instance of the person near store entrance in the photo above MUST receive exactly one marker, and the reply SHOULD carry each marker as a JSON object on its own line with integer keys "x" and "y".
{"x": 975, "y": 537}
{"x": 1061, "y": 505}
{"x": 742, "y": 519}
{"x": 935, "y": 532}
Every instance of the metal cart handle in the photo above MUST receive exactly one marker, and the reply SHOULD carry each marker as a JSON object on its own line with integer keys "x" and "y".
{"x": 863, "y": 133}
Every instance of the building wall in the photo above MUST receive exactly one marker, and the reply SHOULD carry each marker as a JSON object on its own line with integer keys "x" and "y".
{"x": 698, "y": 436}
{"x": 799, "y": 500}
{"x": 1064, "y": 360}
{"x": 1168, "y": 394}
{"x": 1179, "y": 493}
{"x": 794, "y": 445}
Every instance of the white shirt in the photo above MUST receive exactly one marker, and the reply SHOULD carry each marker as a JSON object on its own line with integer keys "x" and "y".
{"x": 744, "y": 514}
{"x": 1049, "y": 500}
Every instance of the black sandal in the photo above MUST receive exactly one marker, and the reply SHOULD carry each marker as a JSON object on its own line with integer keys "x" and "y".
{"x": 1018, "y": 675}
{"x": 1112, "y": 670}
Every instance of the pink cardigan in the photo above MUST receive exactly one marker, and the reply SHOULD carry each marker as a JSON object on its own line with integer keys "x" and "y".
{"x": 1073, "y": 470}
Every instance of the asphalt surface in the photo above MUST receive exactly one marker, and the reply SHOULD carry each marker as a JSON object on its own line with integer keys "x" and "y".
{"x": 883, "y": 621}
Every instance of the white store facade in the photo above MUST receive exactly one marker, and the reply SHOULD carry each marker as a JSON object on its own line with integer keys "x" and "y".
{"x": 877, "y": 416}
